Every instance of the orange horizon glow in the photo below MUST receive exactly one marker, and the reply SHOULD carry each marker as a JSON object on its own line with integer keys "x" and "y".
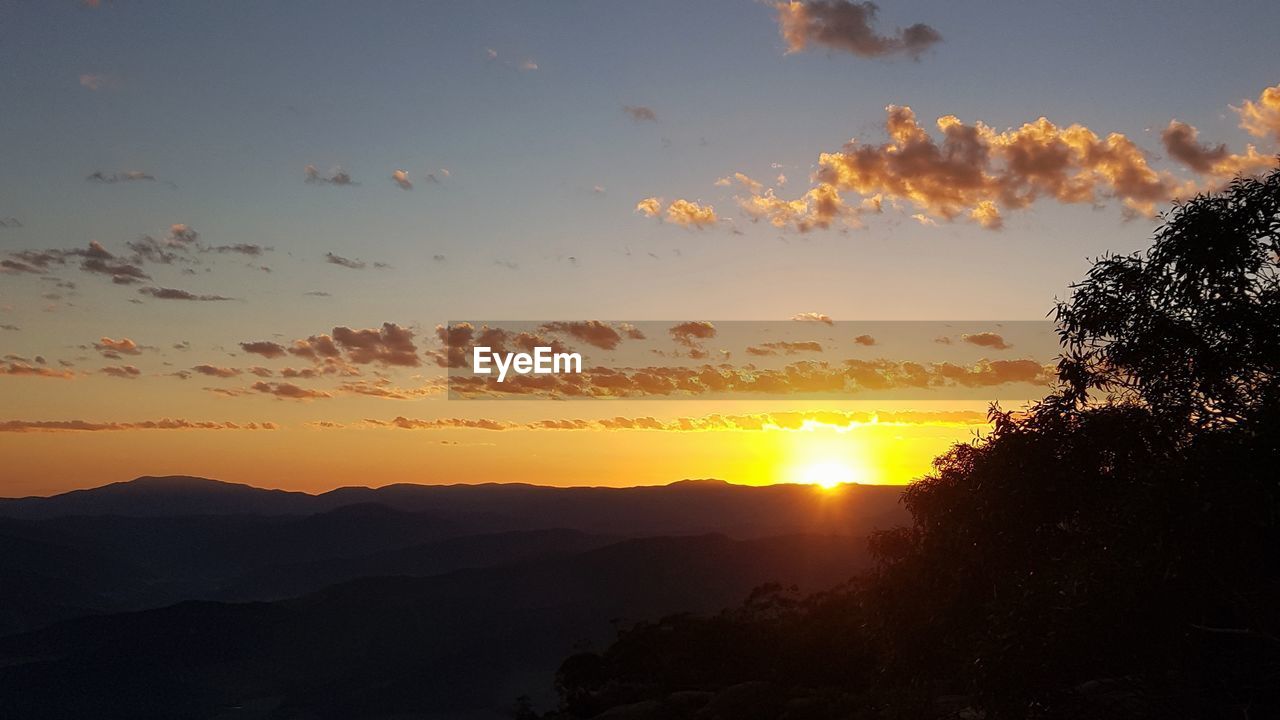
{"x": 314, "y": 459}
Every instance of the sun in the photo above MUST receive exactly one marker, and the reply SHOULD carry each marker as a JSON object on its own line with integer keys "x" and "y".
{"x": 827, "y": 474}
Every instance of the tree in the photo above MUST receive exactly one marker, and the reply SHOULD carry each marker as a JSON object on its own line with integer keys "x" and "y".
{"x": 1189, "y": 327}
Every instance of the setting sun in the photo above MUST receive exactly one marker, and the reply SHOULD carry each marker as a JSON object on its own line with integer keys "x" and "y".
{"x": 828, "y": 474}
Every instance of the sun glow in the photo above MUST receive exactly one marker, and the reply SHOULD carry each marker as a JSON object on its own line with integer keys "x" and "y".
{"x": 828, "y": 458}
{"x": 828, "y": 474}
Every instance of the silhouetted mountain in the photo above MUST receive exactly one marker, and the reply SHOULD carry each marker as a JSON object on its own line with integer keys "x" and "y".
{"x": 679, "y": 508}
{"x": 171, "y": 495}
{"x": 360, "y": 532}
{"x": 472, "y": 551}
{"x": 462, "y": 644}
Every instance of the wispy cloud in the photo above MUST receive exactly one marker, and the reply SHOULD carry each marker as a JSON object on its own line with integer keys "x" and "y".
{"x": 640, "y": 113}
{"x": 336, "y": 176}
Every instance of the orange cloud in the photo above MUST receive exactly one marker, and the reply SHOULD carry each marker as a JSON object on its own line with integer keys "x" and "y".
{"x": 115, "y": 348}
{"x": 219, "y": 372}
{"x": 592, "y": 332}
{"x": 970, "y": 170}
{"x": 691, "y": 214}
{"x": 264, "y": 348}
{"x": 1182, "y": 142}
{"x": 986, "y": 339}
{"x": 777, "y": 421}
{"x": 389, "y": 345}
{"x": 813, "y": 317}
{"x": 29, "y": 370}
{"x": 1262, "y": 118}
{"x": 22, "y": 426}
{"x": 288, "y": 390}
{"x": 849, "y": 27}
{"x": 650, "y": 207}
{"x": 784, "y": 347}
{"x": 681, "y": 212}
{"x": 805, "y": 377}
{"x": 127, "y": 372}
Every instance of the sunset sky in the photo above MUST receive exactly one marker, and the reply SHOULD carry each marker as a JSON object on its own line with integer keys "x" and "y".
{"x": 230, "y": 232}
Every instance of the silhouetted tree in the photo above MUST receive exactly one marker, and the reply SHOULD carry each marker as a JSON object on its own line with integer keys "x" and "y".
{"x": 1108, "y": 552}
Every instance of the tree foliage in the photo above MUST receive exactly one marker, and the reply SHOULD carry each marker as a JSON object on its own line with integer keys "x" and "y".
{"x": 1108, "y": 552}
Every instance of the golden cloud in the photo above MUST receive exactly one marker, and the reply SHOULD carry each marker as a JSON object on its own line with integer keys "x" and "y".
{"x": 774, "y": 421}
{"x": 22, "y": 426}
{"x": 1262, "y": 118}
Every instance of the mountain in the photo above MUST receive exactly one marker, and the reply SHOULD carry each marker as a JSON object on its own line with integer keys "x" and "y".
{"x": 159, "y": 496}
{"x": 686, "y": 507}
{"x": 272, "y": 582}
{"x": 463, "y": 644}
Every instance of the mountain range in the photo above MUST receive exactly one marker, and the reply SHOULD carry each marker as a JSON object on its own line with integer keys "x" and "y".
{"x": 183, "y": 597}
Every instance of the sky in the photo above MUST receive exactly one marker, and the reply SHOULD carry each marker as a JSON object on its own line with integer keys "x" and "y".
{"x": 181, "y": 180}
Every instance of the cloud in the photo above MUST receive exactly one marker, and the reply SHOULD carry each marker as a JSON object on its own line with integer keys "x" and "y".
{"x": 99, "y": 176}
{"x": 784, "y": 347}
{"x": 986, "y": 339}
{"x": 650, "y": 207}
{"x": 316, "y": 348}
{"x": 115, "y": 348}
{"x": 798, "y": 378}
{"x": 848, "y": 27}
{"x": 389, "y": 345}
{"x": 407, "y": 424}
{"x": 401, "y": 178}
{"x": 344, "y": 262}
{"x": 529, "y": 65}
{"x": 289, "y": 391}
{"x": 26, "y": 369}
{"x": 94, "y": 82}
{"x": 975, "y": 172}
{"x": 592, "y": 332}
{"x": 181, "y": 234}
{"x": 12, "y": 266}
{"x": 162, "y": 293}
{"x": 127, "y": 372}
{"x": 215, "y": 371}
{"x": 640, "y": 113}
{"x": 1262, "y": 118}
{"x": 680, "y": 212}
{"x": 459, "y": 338}
{"x": 239, "y": 248}
{"x": 816, "y": 209}
{"x": 22, "y": 426}
{"x": 813, "y": 317}
{"x": 866, "y": 340}
{"x": 383, "y": 388}
{"x": 766, "y": 422}
{"x": 689, "y": 334}
{"x": 265, "y": 348}
{"x": 95, "y": 260}
{"x": 1182, "y": 143}
{"x": 691, "y": 214}
{"x": 337, "y": 176}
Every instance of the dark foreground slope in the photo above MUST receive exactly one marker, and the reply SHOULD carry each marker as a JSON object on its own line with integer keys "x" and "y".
{"x": 457, "y": 645}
